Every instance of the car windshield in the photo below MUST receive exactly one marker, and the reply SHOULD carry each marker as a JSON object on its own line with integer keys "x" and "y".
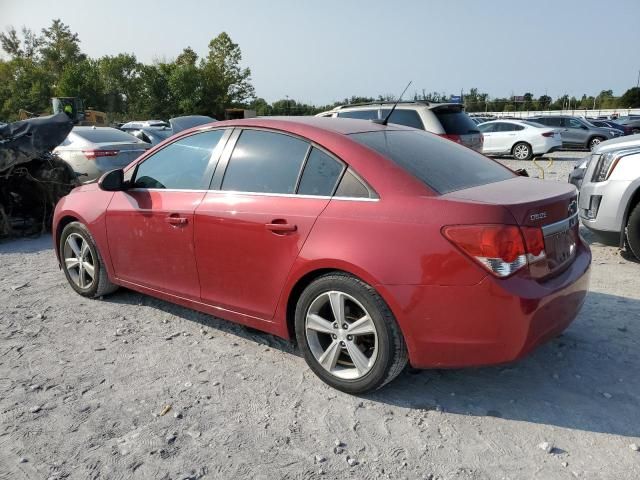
{"x": 105, "y": 135}
{"x": 442, "y": 165}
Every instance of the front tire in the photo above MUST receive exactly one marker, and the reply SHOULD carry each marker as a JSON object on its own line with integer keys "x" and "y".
{"x": 348, "y": 335}
{"x": 82, "y": 263}
{"x": 522, "y": 151}
{"x": 632, "y": 232}
{"x": 595, "y": 141}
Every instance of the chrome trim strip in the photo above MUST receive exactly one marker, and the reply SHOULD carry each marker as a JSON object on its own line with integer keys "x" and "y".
{"x": 258, "y": 194}
{"x": 560, "y": 226}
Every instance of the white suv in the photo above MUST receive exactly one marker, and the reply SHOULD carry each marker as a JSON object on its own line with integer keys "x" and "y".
{"x": 448, "y": 120}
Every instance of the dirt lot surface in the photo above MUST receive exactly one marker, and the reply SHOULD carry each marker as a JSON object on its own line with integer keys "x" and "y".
{"x": 85, "y": 387}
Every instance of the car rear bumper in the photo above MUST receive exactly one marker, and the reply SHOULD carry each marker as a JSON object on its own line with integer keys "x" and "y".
{"x": 495, "y": 321}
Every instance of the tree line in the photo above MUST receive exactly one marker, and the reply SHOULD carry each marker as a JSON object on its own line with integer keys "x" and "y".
{"x": 51, "y": 64}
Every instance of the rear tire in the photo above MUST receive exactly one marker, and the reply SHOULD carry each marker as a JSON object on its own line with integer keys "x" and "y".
{"x": 595, "y": 141}
{"x": 372, "y": 336}
{"x": 632, "y": 232}
{"x": 522, "y": 151}
{"x": 82, "y": 263}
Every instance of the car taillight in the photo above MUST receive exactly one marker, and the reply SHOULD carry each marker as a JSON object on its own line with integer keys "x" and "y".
{"x": 548, "y": 134}
{"x": 453, "y": 138}
{"x": 92, "y": 154}
{"x": 501, "y": 249}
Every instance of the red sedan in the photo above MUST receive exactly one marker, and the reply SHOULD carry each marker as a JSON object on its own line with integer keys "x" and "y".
{"x": 372, "y": 245}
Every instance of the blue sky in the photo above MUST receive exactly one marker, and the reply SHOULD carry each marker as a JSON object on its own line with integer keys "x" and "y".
{"x": 321, "y": 51}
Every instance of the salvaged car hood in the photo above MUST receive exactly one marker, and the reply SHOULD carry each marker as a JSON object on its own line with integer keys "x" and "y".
{"x": 21, "y": 142}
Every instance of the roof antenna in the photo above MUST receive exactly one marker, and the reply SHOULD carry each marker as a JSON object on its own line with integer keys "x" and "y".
{"x": 386, "y": 119}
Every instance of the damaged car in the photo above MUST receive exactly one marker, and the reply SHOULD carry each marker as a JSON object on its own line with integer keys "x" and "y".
{"x": 32, "y": 178}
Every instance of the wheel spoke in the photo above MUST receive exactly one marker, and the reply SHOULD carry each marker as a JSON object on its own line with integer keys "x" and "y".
{"x": 71, "y": 263}
{"x": 73, "y": 243}
{"x": 337, "y": 306}
{"x": 362, "y": 326}
{"x": 84, "y": 249}
{"x": 81, "y": 274}
{"x": 88, "y": 268}
{"x": 319, "y": 324}
{"x": 330, "y": 356}
{"x": 359, "y": 359}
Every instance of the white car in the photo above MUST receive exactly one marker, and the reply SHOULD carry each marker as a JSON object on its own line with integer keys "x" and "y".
{"x": 520, "y": 138}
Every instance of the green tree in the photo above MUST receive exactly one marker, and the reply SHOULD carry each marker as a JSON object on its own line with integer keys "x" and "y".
{"x": 121, "y": 76}
{"x": 60, "y": 47}
{"x": 630, "y": 98}
{"x": 82, "y": 79}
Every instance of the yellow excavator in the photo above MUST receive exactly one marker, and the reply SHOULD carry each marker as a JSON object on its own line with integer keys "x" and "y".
{"x": 73, "y": 107}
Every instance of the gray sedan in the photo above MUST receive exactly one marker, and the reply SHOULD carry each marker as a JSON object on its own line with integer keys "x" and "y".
{"x": 577, "y": 132}
{"x": 92, "y": 151}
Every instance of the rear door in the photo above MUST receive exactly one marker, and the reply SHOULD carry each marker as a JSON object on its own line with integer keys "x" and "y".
{"x": 267, "y": 193}
{"x": 458, "y": 126}
{"x": 150, "y": 226}
{"x": 489, "y": 132}
{"x": 574, "y": 132}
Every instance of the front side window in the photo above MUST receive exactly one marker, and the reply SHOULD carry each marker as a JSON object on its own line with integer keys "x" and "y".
{"x": 180, "y": 165}
{"x": 265, "y": 162}
{"x": 573, "y": 123}
{"x": 321, "y": 173}
{"x": 360, "y": 114}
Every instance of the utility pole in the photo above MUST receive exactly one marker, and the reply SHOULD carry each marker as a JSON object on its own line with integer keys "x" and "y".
{"x": 638, "y": 82}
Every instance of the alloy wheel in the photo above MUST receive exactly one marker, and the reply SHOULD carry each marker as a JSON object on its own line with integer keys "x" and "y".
{"x": 521, "y": 152}
{"x": 341, "y": 335}
{"x": 595, "y": 142}
{"x": 79, "y": 261}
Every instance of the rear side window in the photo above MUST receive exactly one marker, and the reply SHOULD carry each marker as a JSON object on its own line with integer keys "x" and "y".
{"x": 455, "y": 121}
{"x": 104, "y": 135}
{"x": 351, "y": 186}
{"x": 360, "y": 114}
{"x": 180, "y": 165}
{"x": 552, "y": 122}
{"x": 320, "y": 175}
{"x": 442, "y": 165}
{"x": 265, "y": 162}
{"x": 410, "y": 118}
{"x": 488, "y": 127}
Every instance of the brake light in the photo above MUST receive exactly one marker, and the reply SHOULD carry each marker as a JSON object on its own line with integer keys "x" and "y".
{"x": 548, "y": 134}
{"x": 92, "y": 154}
{"x": 453, "y": 138}
{"x": 501, "y": 249}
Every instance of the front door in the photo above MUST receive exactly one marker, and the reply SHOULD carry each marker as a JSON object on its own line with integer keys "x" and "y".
{"x": 150, "y": 227}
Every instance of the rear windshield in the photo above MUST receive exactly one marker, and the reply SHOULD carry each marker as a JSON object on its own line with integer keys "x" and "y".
{"x": 455, "y": 121}
{"x": 105, "y": 135}
{"x": 441, "y": 164}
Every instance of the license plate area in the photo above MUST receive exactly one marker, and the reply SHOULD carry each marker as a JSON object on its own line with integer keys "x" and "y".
{"x": 561, "y": 245}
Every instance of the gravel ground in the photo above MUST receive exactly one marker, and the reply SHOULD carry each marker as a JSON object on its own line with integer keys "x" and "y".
{"x": 133, "y": 387}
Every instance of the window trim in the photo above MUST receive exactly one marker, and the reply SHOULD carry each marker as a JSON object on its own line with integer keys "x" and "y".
{"x": 209, "y": 170}
{"x": 216, "y": 181}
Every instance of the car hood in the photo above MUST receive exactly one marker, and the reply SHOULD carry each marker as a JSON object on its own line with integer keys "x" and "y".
{"x": 629, "y": 141}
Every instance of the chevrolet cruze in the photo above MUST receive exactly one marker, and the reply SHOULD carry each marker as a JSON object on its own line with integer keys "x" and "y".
{"x": 372, "y": 245}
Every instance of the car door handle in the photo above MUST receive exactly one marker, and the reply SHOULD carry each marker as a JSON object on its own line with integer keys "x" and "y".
{"x": 176, "y": 220}
{"x": 281, "y": 226}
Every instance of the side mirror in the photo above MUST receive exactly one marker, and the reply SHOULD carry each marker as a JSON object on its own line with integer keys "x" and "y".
{"x": 113, "y": 181}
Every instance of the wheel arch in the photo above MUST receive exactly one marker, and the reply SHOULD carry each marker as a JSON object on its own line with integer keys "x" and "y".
{"x": 63, "y": 222}
{"x": 631, "y": 204}
{"x": 521, "y": 141}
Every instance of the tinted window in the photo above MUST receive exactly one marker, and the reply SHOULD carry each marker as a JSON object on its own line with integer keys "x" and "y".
{"x": 320, "y": 174}
{"x": 535, "y": 123}
{"x": 487, "y": 127}
{"x": 361, "y": 114}
{"x": 105, "y": 134}
{"x": 509, "y": 127}
{"x": 265, "y": 162}
{"x": 455, "y": 121}
{"x": 442, "y": 165}
{"x": 410, "y": 118}
{"x": 351, "y": 186}
{"x": 573, "y": 123}
{"x": 553, "y": 121}
{"x": 180, "y": 165}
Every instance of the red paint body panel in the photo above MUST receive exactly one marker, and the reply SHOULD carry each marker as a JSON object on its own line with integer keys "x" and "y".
{"x": 227, "y": 260}
{"x": 243, "y": 265}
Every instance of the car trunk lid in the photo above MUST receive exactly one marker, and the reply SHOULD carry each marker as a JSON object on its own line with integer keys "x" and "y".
{"x": 116, "y": 154}
{"x": 549, "y": 206}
